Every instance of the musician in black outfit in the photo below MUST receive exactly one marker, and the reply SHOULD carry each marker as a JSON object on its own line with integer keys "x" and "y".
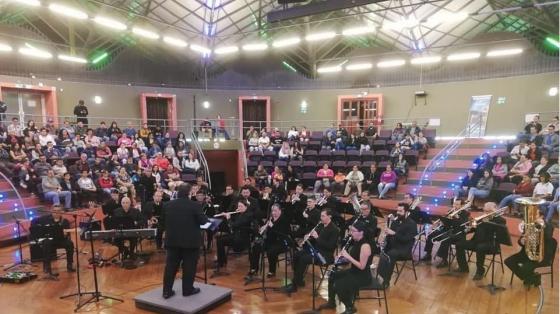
{"x": 480, "y": 243}
{"x": 81, "y": 112}
{"x": 127, "y": 217}
{"x": 58, "y": 237}
{"x": 239, "y": 238}
{"x": 345, "y": 283}
{"x": 297, "y": 203}
{"x": 522, "y": 266}
{"x": 450, "y": 228}
{"x": 111, "y": 204}
{"x": 324, "y": 239}
{"x": 416, "y": 213}
{"x": 329, "y": 201}
{"x": 208, "y": 210}
{"x": 183, "y": 218}
{"x": 153, "y": 212}
{"x": 369, "y": 219}
{"x": 311, "y": 215}
{"x": 401, "y": 236}
{"x": 251, "y": 203}
{"x": 274, "y": 236}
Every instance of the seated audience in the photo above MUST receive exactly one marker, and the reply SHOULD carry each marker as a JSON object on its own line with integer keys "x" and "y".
{"x": 482, "y": 188}
{"x": 354, "y": 179}
{"x": 324, "y": 177}
{"x": 387, "y": 181}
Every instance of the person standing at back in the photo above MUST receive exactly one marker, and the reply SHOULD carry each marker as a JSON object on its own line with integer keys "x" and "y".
{"x": 81, "y": 112}
{"x": 183, "y": 238}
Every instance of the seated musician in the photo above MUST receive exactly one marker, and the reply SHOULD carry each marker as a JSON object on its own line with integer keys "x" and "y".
{"x": 127, "y": 217}
{"x": 449, "y": 233}
{"x": 239, "y": 237}
{"x": 274, "y": 239}
{"x": 55, "y": 229}
{"x": 328, "y": 200}
{"x": 323, "y": 238}
{"x": 297, "y": 204}
{"x": 153, "y": 213}
{"x": 208, "y": 210}
{"x": 522, "y": 266}
{"x": 345, "y": 283}
{"x": 369, "y": 219}
{"x": 480, "y": 243}
{"x": 400, "y": 236}
{"x": 311, "y": 216}
{"x": 251, "y": 202}
{"x": 416, "y": 213}
{"x": 111, "y": 204}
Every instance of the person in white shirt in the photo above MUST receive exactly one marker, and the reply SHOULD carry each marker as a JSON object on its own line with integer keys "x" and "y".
{"x": 59, "y": 168}
{"x": 354, "y": 178}
{"x": 521, "y": 149}
{"x": 87, "y": 186}
{"x": 191, "y": 164}
{"x": 293, "y": 133}
{"x": 45, "y": 137}
{"x": 15, "y": 128}
{"x": 92, "y": 139}
{"x": 285, "y": 152}
{"x": 122, "y": 153}
{"x": 544, "y": 188}
{"x": 264, "y": 142}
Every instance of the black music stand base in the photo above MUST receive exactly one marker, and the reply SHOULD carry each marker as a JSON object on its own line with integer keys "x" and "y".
{"x": 492, "y": 288}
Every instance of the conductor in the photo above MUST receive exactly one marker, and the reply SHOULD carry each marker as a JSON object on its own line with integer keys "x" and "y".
{"x": 182, "y": 240}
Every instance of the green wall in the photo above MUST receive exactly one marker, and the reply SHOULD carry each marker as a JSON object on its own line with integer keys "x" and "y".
{"x": 447, "y": 101}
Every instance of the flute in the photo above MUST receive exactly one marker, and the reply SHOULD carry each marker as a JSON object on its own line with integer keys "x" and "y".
{"x": 227, "y": 213}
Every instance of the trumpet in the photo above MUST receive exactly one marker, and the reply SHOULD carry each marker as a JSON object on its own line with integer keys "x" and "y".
{"x": 353, "y": 199}
{"x": 322, "y": 201}
{"x": 295, "y": 198}
{"x": 227, "y": 213}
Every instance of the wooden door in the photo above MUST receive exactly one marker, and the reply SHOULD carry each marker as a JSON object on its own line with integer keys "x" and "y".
{"x": 156, "y": 109}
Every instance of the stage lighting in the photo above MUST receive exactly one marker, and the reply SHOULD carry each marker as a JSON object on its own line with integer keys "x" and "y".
{"x": 226, "y": 50}
{"x": 200, "y": 49}
{"x": 359, "y": 66}
{"x": 553, "y": 91}
{"x": 330, "y": 69}
{"x": 463, "y": 56}
{"x": 255, "y": 47}
{"x": 144, "y": 33}
{"x": 279, "y": 43}
{"x": 100, "y": 57}
{"x": 355, "y": 31}
{"x": 504, "y": 52}
{"x": 206, "y": 104}
{"x": 36, "y": 53}
{"x": 425, "y": 60}
{"x": 110, "y": 23}
{"x": 320, "y": 36}
{"x": 391, "y": 63}
{"x": 34, "y": 3}
{"x": 5, "y": 48}
{"x": 72, "y": 59}
{"x": 97, "y": 100}
{"x": 67, "y": 11}
{"x": 174, "y": 41}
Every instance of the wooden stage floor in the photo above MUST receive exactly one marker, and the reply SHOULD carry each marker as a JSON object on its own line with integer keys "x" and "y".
{"x": 429, "y": 294}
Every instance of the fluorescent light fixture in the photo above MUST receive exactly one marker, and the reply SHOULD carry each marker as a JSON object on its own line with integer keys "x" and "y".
{"x": 320, "y": 36}
{"x": 446, "y": 17}
{"x": 359, "y": 66}
{"x": 110, "y": 23}
{"x": 391, "y": 63}
{"x": 553, "y": 41}
{"x": 100, "y": 57}
{"x": 255, "y": 47}
{"x": 174, "y": 41}
{"x": 279, "y": 43}
{"x": 144, "y": 33}
{"x": 67, "y": 11}
{"x": 398, "y": 25}
{"x": 34, "y": 3}
{"x": 463, "y": 56}
{"x": 425, "y": 60}
{"x": 226, "y": 50}
{"x": 72, "y": 59}
{"x": 37, "y": 53}
{"x": 200, "y": 49}
{"x": 5, "y": 48}
{"x": 354, "y": 31}
{"x": 504, "y": 52}
{"x": 329, "y": 69}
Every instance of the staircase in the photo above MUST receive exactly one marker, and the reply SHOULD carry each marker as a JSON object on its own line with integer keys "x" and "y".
{"x": 437, "y": 187}
{"x": 15, "y": 204}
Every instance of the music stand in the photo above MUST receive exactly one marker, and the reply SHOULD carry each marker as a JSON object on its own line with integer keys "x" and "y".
{"x": 21, "y": 261}
{"x": 212, "y": 225}
{"x": 500, "y": 236}
{"x": 314, "y": 256}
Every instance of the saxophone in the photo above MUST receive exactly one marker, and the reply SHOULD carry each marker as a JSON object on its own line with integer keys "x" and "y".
{"x": 532, "y": 228}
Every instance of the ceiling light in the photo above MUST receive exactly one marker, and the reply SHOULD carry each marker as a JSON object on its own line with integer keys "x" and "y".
{"x": 279, "y": 43}
{"x": 553, "y": 41}
{"x": 174, "y": 41}
{"x": 226, "y": 50}
{"x": 72, "y": 59}
{"x": 107, "y": 22}
{"x": 255, "y": 47}
{"x": 330, "y": 69}
{"x": 144, "y": 33}
{"x": 34, "y": 3}
{"x": 206, "y": 104}
{"x": 359, "y": 66}
{"x": 398, "y": 25}
{"x": 354, "y": 31}
{"x": 99, "y": 58}
{"x": 37, "y": 53}
{"x": 446, "y": 17}
{"x": 391, "y": 63}
{"x": 463, "y": 56}
{"x": 425, "y": 60}
{"x": 504, "y": 52}
{"x": 200, "y": 49}
{"x": 67, "y": 11}
{"x": 320, "y": 36}
{"x": 5, "y": 47}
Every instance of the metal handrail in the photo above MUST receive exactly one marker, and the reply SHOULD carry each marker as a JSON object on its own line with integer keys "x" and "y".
{"x": 202, "y": 159}
{"x": 17, "y": 193}
{"x": 244, "y": 160}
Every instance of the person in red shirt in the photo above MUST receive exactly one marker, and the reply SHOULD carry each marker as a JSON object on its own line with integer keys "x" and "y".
{"x": 106, "y": 183}
{"x": 523, "y": 189}
{"x": 161, "y": 161}
{"x": 324, "y": 177}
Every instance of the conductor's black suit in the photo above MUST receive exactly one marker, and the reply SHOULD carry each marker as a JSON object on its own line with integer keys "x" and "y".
{"x": 183, "y": 238}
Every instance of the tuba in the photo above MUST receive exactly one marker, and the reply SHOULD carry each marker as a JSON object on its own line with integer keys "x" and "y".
{"x": 533, "y": 230}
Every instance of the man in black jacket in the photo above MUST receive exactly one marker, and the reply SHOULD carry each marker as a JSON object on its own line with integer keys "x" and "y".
{"x": 153, "y": 213}
{"x": 523, "y": 267}
{"x": 183, "y": 237}
{"x": 324, "y": 240}
{"x": 81, "y": 112}
{"x": 480, "y": 243}
{"x": 400, "y": 237}
{"x": 127, "y": 217}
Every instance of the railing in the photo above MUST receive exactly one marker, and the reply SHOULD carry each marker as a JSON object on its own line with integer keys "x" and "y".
{"x": 244, "y": 159}
{"x": 201, "y": 159}
{"x": 19, "y": 206}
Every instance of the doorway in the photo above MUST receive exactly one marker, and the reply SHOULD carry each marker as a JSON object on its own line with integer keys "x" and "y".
{"x": 30, "y": 102}
{"x": 478, "y": 115}
{"x": 159, "y": 110}
{"x": 254, "y": 111}
{"x": 354, "y": 110}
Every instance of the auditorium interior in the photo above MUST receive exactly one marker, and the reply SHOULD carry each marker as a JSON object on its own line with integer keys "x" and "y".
{"x": 365, "y": 156}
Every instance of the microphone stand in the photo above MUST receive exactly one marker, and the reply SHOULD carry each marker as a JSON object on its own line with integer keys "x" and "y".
{"x": 21, "y": 261}
{"x": 313, "y": 310}
{"x": 96, "y": 295}
{"x": 79, "y": 294}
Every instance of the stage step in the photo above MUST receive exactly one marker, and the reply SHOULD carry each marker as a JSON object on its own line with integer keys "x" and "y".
{"x": 435, "y": 179}
{"x": 465, "y": 153}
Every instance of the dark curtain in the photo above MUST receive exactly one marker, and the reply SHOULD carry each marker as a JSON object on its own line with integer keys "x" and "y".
{"x": 254, "y": 111}
{"x": 156, "y": 109}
